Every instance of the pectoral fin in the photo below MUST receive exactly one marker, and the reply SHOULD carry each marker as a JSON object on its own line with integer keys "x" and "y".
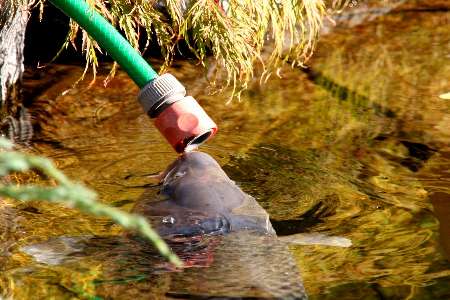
{"x": 316, "y": 239}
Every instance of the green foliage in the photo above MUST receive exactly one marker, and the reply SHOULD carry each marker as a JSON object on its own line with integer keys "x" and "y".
{"x": 69, "y": 193}
{"x": 238, "y": 33}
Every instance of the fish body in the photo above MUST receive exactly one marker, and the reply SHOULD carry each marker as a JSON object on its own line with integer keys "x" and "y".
{"x": 199, "y": 198}
{"x": 224, "y": 237}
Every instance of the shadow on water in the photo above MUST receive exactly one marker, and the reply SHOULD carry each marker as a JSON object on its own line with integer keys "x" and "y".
{"x": 362, "y": 154}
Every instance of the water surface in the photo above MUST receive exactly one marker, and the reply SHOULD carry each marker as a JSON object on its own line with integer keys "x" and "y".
{"x": 357, "y": 147}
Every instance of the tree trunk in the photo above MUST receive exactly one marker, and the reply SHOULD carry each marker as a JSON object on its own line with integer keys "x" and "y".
{"x": 13, "y": 21}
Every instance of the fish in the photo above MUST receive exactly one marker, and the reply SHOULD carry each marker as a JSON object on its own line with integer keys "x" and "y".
{"x": 224, "y": 237}
{"x": 199, "y": 198}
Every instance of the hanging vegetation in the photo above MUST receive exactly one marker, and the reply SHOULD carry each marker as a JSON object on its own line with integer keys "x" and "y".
{"x": 238, "y": 34}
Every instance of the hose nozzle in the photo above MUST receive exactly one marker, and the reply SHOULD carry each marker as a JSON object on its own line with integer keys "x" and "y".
{"x": 180, "y": 119}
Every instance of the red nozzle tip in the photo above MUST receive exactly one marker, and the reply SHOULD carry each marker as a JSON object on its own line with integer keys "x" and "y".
{"x": 185, "y": 124}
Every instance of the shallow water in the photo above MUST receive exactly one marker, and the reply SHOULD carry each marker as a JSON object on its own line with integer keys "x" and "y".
{"x": 359, "y": 147}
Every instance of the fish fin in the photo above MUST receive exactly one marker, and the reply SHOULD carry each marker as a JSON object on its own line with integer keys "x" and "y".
{"x": 252, "y": 223}
{"x": 316, "y": 239}
{"x": 55, "y": 250}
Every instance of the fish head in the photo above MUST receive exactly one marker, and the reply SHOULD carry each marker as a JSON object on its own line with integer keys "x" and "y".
{"x": 195, "y": 180}
{"x": 195, "y": 165}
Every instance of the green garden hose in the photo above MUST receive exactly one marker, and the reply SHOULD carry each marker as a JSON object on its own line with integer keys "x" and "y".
{"x": 109, "y": 39}
{"x": 180, "y": 119}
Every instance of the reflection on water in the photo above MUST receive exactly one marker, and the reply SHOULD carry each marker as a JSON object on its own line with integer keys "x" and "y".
{"x": 358, "y": 147}
{"x": 247, "y": 265}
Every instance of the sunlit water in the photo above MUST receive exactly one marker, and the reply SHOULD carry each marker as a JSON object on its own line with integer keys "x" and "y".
{"x": 359, "y": 148}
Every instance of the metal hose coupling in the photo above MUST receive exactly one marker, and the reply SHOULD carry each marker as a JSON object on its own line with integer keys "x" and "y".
{"x": 179, "y": 118}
